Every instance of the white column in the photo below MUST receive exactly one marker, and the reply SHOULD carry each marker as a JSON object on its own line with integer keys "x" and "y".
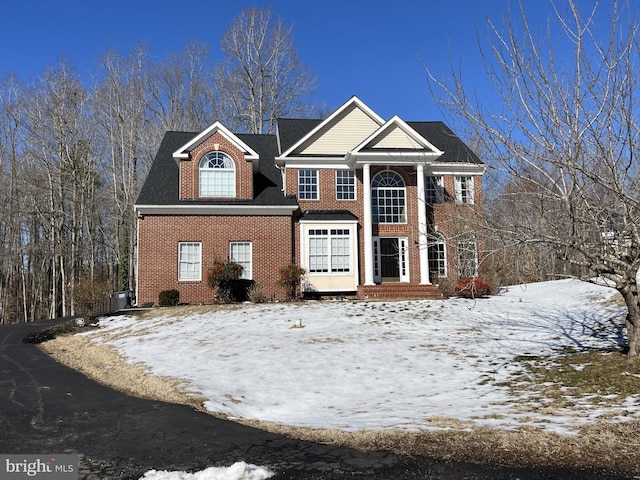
{"x": 422, "y": 228}
{"x": 368, "y": 229}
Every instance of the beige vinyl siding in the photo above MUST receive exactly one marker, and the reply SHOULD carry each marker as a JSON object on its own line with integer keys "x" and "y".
{"x": 395, "y": 137}
{"x": 344, "y": 133}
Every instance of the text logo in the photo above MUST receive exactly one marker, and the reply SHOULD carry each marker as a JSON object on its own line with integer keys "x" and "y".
{"x": 50, "y": 467}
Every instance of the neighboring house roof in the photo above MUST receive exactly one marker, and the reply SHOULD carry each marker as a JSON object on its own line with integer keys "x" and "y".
{"x": 162, "y": 184}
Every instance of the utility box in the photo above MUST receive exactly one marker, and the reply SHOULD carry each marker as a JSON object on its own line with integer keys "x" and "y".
{"x": 121, "y": 300}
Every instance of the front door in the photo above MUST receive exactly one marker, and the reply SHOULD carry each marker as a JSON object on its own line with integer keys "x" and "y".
{"x": 391, "y": 260}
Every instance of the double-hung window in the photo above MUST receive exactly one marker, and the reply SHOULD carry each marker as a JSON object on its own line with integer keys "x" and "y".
{"x": 217, "y": 175}
{"x": 437, "y": 256}
{"x": 329, "y": 250}
{"x": 434, "y": 189}
{"x": 189, "y": 261}
{"x": 467, "y": 247}
{"x": 464, "y": 189}
{"x": 345, "y": 185}
{"x": 307, "y": 184}
{"x": 241, "y": 252}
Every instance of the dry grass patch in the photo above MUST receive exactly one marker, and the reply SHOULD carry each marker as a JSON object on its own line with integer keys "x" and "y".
{"x": 103, "y": 364}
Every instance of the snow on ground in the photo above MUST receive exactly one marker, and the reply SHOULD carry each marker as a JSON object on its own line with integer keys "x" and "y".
{"x": 370, "y": 365}
{"x": 376, "y": 365}
{"x": 237, "y": 471}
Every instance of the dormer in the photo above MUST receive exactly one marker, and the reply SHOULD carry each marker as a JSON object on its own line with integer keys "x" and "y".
{"x": 216, "y": 165}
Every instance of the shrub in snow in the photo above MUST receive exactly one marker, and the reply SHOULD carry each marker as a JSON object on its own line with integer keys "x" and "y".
{"x": 472, "y": 287}
{"x": 257, "y": 294}
{"x": 168, "y": 298}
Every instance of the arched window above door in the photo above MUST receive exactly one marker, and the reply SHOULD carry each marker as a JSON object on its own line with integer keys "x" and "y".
{"x": 388, "y": 198}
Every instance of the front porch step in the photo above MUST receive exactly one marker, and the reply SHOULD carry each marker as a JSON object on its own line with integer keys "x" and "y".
{"x": 398, "y": 291}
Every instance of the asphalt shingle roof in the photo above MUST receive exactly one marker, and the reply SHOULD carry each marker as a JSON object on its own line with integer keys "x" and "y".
{"x": 162, "y": 184}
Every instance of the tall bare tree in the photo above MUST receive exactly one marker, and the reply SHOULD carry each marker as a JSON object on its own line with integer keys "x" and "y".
{"x": 564, "y": 137}
{"x": 261, "y": 77}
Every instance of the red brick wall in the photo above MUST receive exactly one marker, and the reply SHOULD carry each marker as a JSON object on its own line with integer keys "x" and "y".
{"x": 189, "y": 169}
{"x": 159, "y": 236}
{"x": 449, "y": 217}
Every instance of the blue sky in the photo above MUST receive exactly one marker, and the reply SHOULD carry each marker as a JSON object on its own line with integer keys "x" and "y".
{"x": 373, "y": 49}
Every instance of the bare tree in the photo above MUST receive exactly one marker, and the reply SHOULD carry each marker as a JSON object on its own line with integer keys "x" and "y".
{"x": 182, "y": 95}
{"x": 563, "y": 138}
{"x": 261, "y": 77}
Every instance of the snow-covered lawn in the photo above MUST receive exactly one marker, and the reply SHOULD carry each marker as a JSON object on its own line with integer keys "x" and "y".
{"x": 377, "y": 365}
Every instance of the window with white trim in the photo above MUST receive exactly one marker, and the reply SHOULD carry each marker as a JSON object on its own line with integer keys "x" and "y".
{"x": 437, "y": 256}
{"x": 345, "y": 185}
{"x": 329, "y": 250}
{"x": 217, "y": 175}
{"x": 308, "y": 184}
{"x": 467, "y": 247}
{"x": 241, "y": 252}
{"x": 434, "y": 186}
{"x": 388, "y": 198}
{"x": 189, "y": 261}
{"x": 464, "y": 189}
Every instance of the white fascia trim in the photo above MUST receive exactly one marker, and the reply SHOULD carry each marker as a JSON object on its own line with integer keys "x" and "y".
{"x": 395, "y": 158}
{"x": 353, "y": 100}
{"x": 258, "y": 210}
{"x": 250, "y": 154}
{"x": 454, "y": 169}
{"x": 395, "y": 120}
{"x": 335, "y": 163}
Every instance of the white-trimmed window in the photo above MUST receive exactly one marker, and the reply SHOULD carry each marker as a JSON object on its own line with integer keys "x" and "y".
{"x": 241, "y": 252}
{"x": 467, "y": 247}
{"x": 217, "y": 175}
{"x": 464, "y": 189}
{"x": 329, "y": 250}
{"x": 434, "y": 186}
{"x": 437, "y": 252}
{"x": 189, "y": 261}
{"x": 308, "y": 184}
{"x": 388, "y": 198}
{"x": 345, "y": 185}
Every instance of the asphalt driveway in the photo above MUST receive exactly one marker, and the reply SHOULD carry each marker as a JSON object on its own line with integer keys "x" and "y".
{"x": 46, "y": 407}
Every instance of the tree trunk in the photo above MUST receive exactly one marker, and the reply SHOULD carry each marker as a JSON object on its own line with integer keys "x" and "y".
{"x": 630, "y": 295}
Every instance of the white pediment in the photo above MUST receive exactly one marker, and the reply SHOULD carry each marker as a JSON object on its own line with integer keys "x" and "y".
{"x": 396, "y": 135}
{"x": 183, "y": 152}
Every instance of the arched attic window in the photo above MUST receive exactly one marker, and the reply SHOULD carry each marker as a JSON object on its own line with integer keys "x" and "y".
{"x": 388, "y": 198}
{"x": 217, "y": 175}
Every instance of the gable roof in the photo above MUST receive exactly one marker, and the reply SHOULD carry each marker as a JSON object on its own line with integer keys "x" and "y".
{"x": 353, "y": 111}
{"x": 441, "y": 136}
{"x": 396, "y": 135}
{"x": 161, "y": 187}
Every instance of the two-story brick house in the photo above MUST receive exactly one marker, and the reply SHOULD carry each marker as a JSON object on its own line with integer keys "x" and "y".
{"x": 368, "y": 207}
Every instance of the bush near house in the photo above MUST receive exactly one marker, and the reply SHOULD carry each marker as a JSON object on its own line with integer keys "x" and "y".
{"x": 225, "y": 277}
{"x": 472, "y": 287}
{"x": 290, "y": 277}
{"x": 169, "y": 298}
